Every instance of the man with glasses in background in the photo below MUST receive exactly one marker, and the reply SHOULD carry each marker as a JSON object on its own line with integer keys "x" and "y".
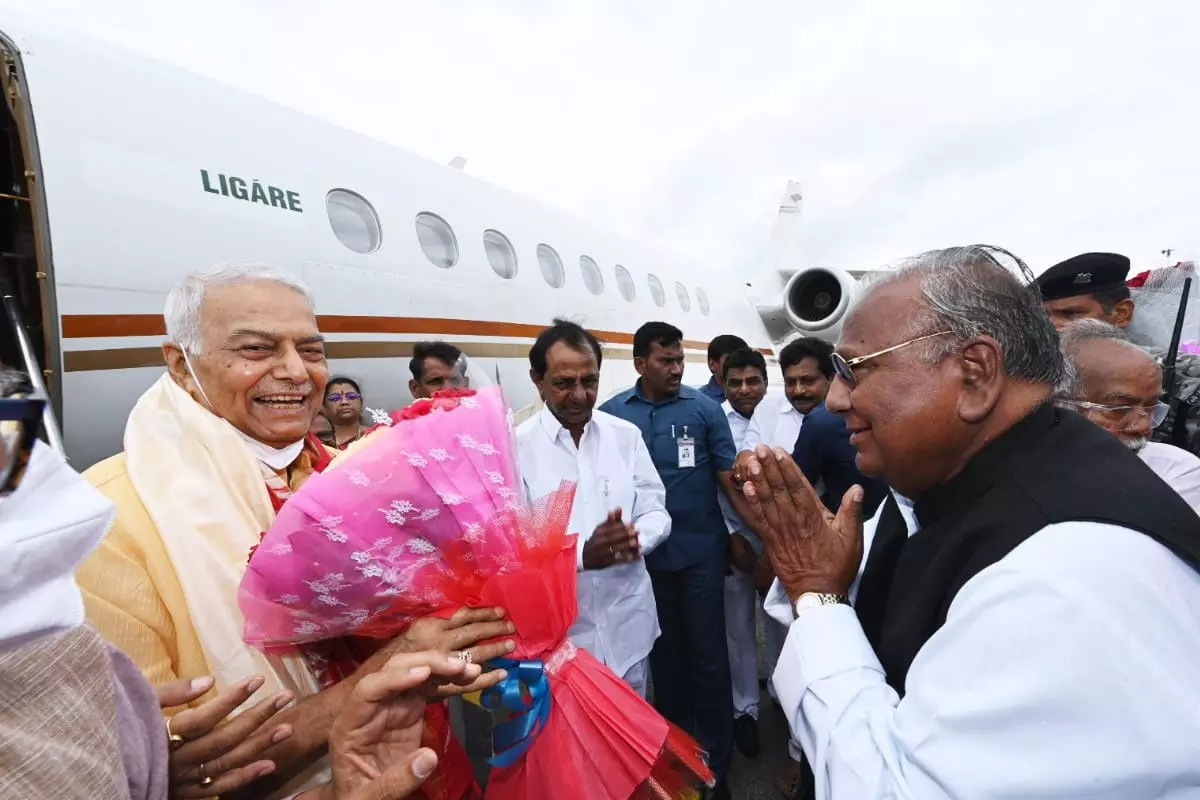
{"x": 1116, "y": 385}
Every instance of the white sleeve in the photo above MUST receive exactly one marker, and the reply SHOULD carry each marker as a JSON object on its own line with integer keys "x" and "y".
{"x": 650, "y": 515}
{"x": 1031, "y": 689}
{"x": 754, "y": 431}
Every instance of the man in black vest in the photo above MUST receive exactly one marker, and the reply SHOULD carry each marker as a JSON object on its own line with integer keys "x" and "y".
{"x": 1036, "y": 633}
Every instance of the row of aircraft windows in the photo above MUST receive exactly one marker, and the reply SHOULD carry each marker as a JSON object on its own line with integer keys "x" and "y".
{"x": 357, "y": 226}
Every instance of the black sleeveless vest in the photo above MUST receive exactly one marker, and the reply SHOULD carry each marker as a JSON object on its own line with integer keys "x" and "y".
{"x": 1053, "y": 466}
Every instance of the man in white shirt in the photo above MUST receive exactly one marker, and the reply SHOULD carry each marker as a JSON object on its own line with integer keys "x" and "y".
{"x": 619, "y": 510}
{"x": 745, "y": 381}
{"x": 1117, "y": 385}
{"x": 807, "y": 371}
{"x": 1036, "y": 636}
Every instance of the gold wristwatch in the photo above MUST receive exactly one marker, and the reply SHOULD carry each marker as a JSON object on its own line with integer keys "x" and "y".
{"x": 814, "y": 599}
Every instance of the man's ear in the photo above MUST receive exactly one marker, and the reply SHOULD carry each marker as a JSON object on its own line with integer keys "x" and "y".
{"x": 983, "y": 378}
{"x": 533, "y": 376}
{"x": 412, "y": 387}
{"x": 178, "y": 370}
{"x": 639, "y": 364}
{"x": 1122, "y": 313}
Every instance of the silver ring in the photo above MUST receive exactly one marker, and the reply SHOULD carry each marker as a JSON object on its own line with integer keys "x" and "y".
{"x": 204, "y": 779}
{"x": 464, "y": 656}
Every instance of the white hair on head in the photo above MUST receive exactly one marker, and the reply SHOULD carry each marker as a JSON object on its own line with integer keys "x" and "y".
{"x": 186, "y": 298}
{"x": 1074, "y": 336}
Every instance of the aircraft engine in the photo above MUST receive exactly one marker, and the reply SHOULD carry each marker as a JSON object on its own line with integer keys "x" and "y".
{"x": 816, "y": 299}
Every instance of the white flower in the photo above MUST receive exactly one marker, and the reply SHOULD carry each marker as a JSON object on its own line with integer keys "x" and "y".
{"x": 371, "y": 571}
{"x": 469, "y": 403}
{"x": 487, "y": 448}
{"x": 421, "y": 545}
{"x": 496, "y": 478}
{"x": 429, "y": 513}
{"x": 327, "y": 600}
{"x": 336, "y": 536}
{"x": 280, "y": 548}
{"x": 306, "y": 628}
{"x": 416, "y": 460}
{"x": 439, "y": 455}
{"x": 330, "y": 526}
{"x": 467, "y": 441}
{"x": 360, "y": 557}
{"x": 452, "y": 499}
{"x": 473, "y": 532}
{"x": 289, "y": 599}
{"x": 358, "y": 477}
{"x": 393, "y": 516}
{"x": 379, "y": 416}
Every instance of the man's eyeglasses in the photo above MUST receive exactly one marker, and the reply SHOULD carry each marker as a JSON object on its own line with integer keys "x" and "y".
{"x": 845, "y": 368}
{"x": 1126, "y": 414}
{"x": 337, "y": 397}
{"x": 20, "y": 422}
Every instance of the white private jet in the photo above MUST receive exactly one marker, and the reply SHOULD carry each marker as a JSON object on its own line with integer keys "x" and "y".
{"x": 123, "y": 174}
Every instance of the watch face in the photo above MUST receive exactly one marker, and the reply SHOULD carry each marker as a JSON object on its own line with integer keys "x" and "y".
{"x": 807, "y": 601}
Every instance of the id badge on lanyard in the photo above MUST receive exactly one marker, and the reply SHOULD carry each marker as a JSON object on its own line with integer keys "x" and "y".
{"x": 687, "y": 450}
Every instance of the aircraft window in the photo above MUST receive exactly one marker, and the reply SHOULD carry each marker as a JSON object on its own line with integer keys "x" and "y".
{"x": 500, "y": 254}
{"x": 656, "y": 290}
{"x": 592, "y": 278}
{"x": 681, "y": 293}
{"x": 702, "y": 301}
{"x": 354, "y": 221}
{"x": 437, "y": 240}
{"x": 625, "y": 283}
{"x": 551, "y": 266}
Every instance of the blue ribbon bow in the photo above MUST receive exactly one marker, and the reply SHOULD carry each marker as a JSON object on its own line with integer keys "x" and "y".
{"x": 525, "y": 691}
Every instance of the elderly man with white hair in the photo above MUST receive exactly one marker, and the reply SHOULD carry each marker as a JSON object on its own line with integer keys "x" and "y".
{"x": 1117, "y": 385}
{"x": 212, "y": 451}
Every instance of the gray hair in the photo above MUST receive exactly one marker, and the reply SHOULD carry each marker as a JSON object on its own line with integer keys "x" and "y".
{"x": 1071, "y": 338}
{"x": 983, "y": 290}
{"x": 184, "y": 301}
{"x": 13, "y": 381}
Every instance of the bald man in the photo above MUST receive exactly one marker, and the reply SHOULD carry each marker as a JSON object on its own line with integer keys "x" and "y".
{"x": 1117, "y": 385}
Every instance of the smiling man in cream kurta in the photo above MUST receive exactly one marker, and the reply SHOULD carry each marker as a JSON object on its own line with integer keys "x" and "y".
{"x": 212, "y": 450}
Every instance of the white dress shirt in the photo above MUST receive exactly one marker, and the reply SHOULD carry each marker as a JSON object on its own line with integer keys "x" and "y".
{"x": 618, "y": 621}
{"x": 738, "y": 425}
{"x": 776, "y": 423}
{"x": 1065, "y": 670}
{"x": 1178, "y": 468}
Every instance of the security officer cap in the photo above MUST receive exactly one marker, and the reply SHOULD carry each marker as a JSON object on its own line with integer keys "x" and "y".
{"x": 1084, "y": 274}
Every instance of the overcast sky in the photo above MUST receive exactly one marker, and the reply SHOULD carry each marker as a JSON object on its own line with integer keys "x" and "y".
{"x": 1046, "y": 126}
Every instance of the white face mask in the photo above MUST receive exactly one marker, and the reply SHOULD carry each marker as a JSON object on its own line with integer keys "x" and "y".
{"x": 48, "y": 527}
{"x": 277, "y": 458}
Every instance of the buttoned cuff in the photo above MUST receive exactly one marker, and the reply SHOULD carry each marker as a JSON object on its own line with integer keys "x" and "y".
{"x": 778, "y": 606}
{"x": 825, "y": 641}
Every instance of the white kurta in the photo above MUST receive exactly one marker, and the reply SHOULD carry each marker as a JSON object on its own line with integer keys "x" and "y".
{"x": 741, "y": 599}
{"x": 775, "y": 423}
{"x": 618, "y": 621}
{"x": 1065, "y": 670}
{"x": 1178, "y": 468}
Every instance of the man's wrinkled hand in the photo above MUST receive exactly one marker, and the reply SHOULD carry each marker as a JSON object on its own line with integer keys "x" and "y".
{"x": 473, "y": 631}
{"x": 811, "y": 550}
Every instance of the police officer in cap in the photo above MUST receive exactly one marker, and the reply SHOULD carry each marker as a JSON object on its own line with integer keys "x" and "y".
{"x": 1091, "y": 285}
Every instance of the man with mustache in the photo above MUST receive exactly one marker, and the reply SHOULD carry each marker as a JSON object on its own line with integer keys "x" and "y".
{"x": 619, "y": 510}
{"x": 1032, "y": 629}
{"x": 212, "y": 451}
{"x": 1117, "y": 385}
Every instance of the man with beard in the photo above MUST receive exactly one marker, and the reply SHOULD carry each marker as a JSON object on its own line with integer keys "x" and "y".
{"x": 212, "y": 451}
{"x": 435, "y": 366}
{"x": 618, "y": 511}
{"x": 1037, "y": 634}
{"x": 1116, "y": 385}
{"x": 745, "y": 386}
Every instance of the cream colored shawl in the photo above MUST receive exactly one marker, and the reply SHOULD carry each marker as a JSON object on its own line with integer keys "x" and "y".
{"x": 205, "y": 492}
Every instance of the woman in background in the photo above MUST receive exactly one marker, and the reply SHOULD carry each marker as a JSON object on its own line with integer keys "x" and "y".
{"x": 344, "y": 409}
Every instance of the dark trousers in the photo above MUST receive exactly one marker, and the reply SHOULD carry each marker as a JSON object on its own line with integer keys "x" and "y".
{"x": 690, "y": 661}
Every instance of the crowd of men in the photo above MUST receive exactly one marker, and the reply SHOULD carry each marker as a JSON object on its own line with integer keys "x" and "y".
{"x": 979, "y": 577}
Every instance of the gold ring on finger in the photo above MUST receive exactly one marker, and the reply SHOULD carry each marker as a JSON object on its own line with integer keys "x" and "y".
{"x": 204, "y": 779}
{"x": 174, "y": 740}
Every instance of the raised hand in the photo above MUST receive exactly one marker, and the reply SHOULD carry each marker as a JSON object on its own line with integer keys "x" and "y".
{"x": 209, "y": 759}
{"x": 375, "y": 744}
{"x": 811, "y": 550}
{"x": 613, "y": 542}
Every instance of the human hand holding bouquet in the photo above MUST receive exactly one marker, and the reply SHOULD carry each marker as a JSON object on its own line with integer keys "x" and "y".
{"x": 425, "y": 517}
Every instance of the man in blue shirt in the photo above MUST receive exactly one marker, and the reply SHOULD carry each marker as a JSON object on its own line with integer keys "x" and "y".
{"x": 824, "y": 453}
{"x": 691, "y": 446}
{"x": 718, "y": 350}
